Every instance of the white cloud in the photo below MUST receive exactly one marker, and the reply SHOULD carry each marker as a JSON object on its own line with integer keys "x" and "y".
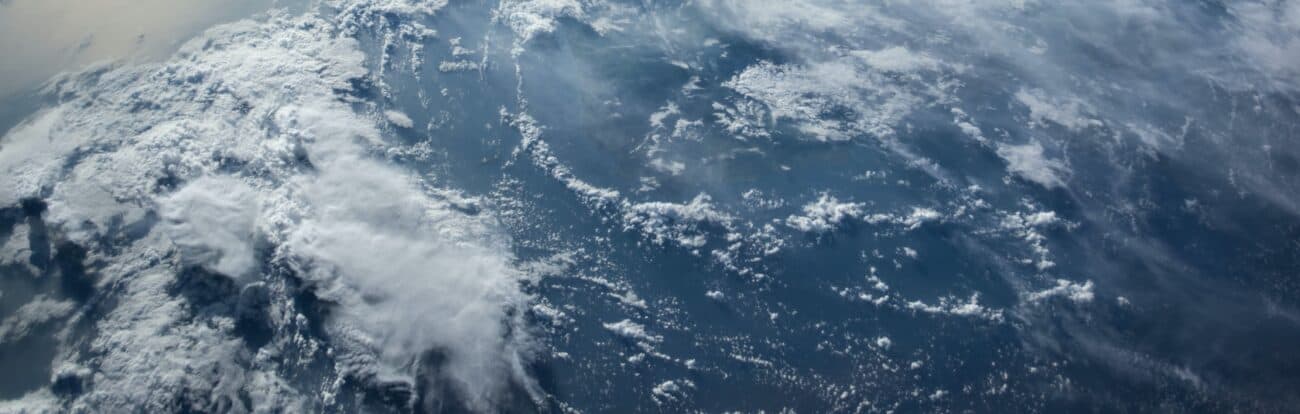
{"x": 399, "y": 119}
{"x": 669, "y": 391}
{"x": 824, "y": 214}
{"x": 632, "y": 330}
{"x": 884, "y": 342}
{"x": 950, "y": 305}
{"x": 1029, "y": 163}
{"x": 395, "y": 259}
{"x": 39, "y": 311}
{"x": 404, "y": 269}
{"x": 897, "y": 59}
{"x": 29, "y": 155}
{"x": 17, "y": 251}
{"x": 1266, "y": 33}
{"x": 1067, "y": 112}
{"x": 663, "y": 221}
{"x": 811, "y": 95}
{"x": 919, "y": 216}
{"x": 777, "y": 20}
{"x": 1076, "y": 292}
{"x": 530, "y": 18}
{"x": 149, "y": 323}
{"x": 213, "y": 220}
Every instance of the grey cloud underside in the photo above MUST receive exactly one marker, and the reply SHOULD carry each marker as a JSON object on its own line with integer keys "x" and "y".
{"x": 590, "y": 206}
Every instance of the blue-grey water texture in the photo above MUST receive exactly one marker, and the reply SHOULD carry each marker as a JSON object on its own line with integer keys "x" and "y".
{"x": 1166, "y": 277}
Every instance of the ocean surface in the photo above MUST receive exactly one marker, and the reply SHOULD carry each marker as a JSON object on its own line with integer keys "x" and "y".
{"x": 664, "y": 206}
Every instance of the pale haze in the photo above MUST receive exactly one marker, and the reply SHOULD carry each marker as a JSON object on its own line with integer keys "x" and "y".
{"x": 40, "y": 38}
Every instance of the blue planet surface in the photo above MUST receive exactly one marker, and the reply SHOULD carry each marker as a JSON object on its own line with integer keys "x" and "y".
{"x": 586, "y": 206}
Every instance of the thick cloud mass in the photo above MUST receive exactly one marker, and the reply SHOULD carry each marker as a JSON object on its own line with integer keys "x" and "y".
{"x": 211, "y": 177}
{"x": 623, "y": 206}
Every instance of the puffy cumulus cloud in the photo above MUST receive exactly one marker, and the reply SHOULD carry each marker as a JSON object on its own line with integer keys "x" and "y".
{"x": 824, "y": 214}
{"x": 663, "y": 221}
{"x": 213, "y": 220}
{"x": 814, "y": 96}
{"x": 529, "y": 18}
{"x": 632, "y": 330}
{"x": 410, "y": 274}
{"x": 1028, "y": 162}
{"x": 846, "y": 94}
{"x": 1074, "y": 291}
{"x": 241, "y": 142}
{"x": 129, "y": 371}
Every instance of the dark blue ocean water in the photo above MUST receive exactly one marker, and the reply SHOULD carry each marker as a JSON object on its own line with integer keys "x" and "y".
{"x": 1184, "y": 247}
{"x": 1205, "y": 271}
